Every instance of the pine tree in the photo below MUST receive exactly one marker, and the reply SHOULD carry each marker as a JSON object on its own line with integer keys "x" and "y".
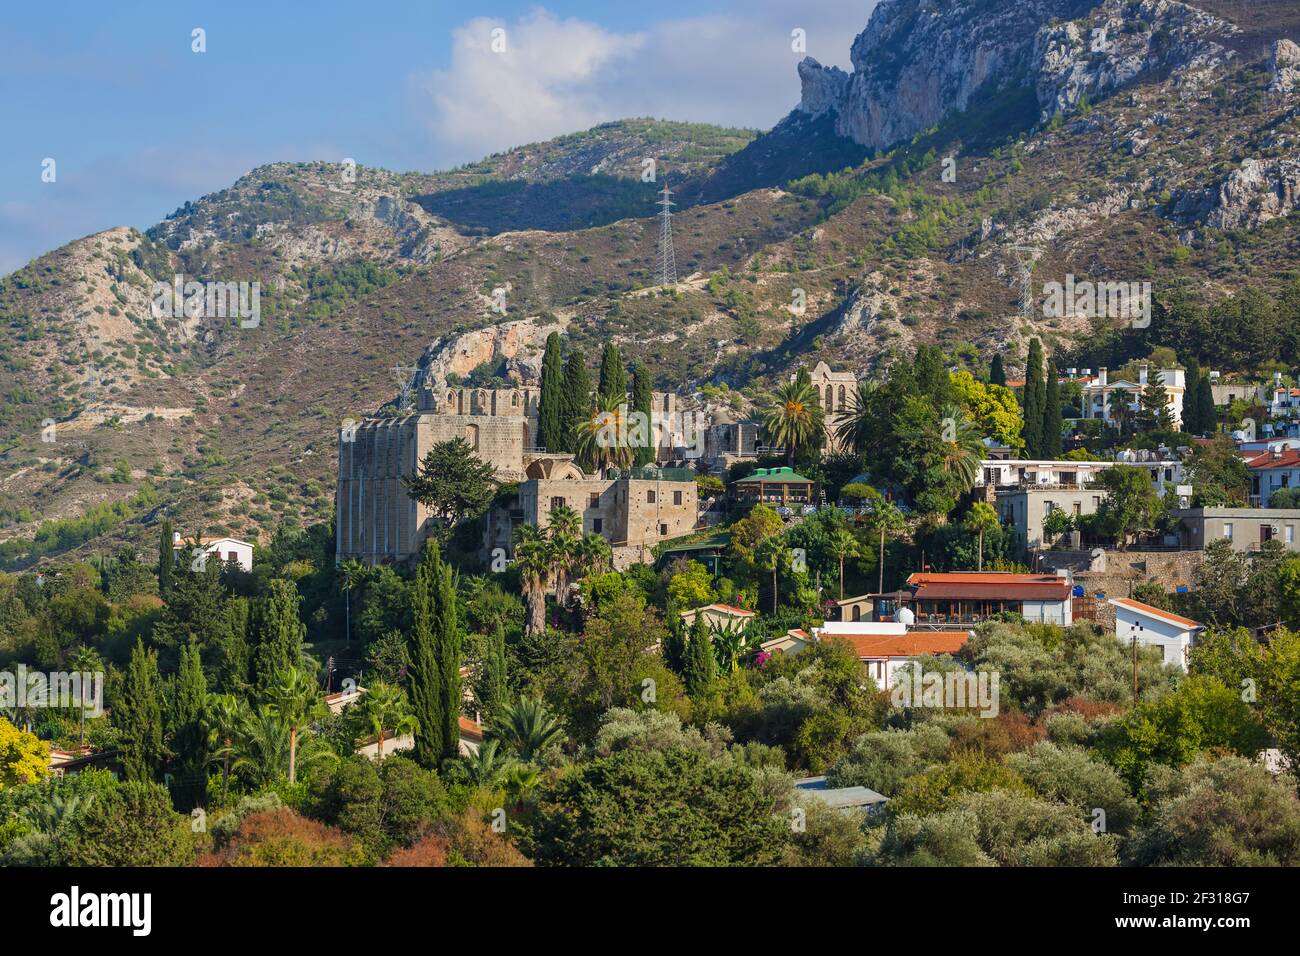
{"x": 166, "y": 559}
{"x": 701, "y": 665}
{"x": 434, "y": 650}
{"x": 278, "y": 633}
{"x": 997, "y": 374}
{"x": 613, "y": 377}
{"x": 1034, "y": 399}
{"x": 1191, "y": 380}
{"x": 577, "y": 397}
{"x": 643, "y": 402}
{"x": 1053, "y": 422}
{"x": 1207, "y": 414}
{"x": 550, "y": 416}
{"x": 492, "y": 690}
{"x": 138, "y": 715}
{"x": 186, "y": 733}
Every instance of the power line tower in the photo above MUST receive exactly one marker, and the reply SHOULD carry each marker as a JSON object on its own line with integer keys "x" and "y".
{"x": 408, "y": 377}
{"x": 1026, "y": 258}
{"x": 667, "y": 260}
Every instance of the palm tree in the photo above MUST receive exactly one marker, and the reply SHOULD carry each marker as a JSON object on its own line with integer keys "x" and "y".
{"x": 593, "y": 554}
{"x": 564, "y": 531}
{"x": 960, "y": 447}
{"x": 843, "y": 545}
{"x": 520, "y": 781}
{"x": 264, "y": 746}
{"x": 296, "y": 699}
{"x": 385, "y": 708}
{"x": 979, "y": 519}
{"x": 84, "y": 660}
{"x": 859, "y": 427}
{"x": 533, "y": 559}
{"x": 224, "y": 716}
{"x": 795, "y": 418}
{"x": 886, "y": 518}
{"x": 1121, "y": 412}
{"x": 350, "y": 572}
{"x": 601, "y": 440}
{"x": 729, "y": 645}
{"x": 488, "y": 765}
{"x": 527, "y": 727}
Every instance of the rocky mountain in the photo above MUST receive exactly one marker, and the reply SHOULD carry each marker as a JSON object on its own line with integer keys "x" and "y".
{"x": 974, "y": 143}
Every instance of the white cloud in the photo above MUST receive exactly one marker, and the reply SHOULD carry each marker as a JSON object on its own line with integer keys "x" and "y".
{"x": 561, "y": 75}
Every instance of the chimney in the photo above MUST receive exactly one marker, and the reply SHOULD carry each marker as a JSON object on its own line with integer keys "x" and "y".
{"x": 1101, "y": 376}
{"x": 1144, "y": 371}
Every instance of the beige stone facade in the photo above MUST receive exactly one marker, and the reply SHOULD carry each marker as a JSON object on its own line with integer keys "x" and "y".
{"x": 837, "y": 393}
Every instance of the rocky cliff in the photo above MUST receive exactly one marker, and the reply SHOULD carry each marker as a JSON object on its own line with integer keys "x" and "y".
{"x": 918, "y": 61}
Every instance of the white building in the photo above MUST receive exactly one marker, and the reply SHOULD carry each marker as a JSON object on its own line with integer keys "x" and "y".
{"x": 1101, "y": 395}
{"x": 1155, "y": 627}
{"x": 1000, "y": 473}
{"x": 225, "y": 549}
{"x": 884, "y": 647}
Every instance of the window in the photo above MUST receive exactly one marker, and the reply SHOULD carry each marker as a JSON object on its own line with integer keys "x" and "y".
{"x": 1227, "y": 530}
{"x": 649, "y": 497}
{"x": 231, "y": 556}
{"x": 597, "y": 525}
{"x": 1078, "y": 509}
{"x": 595, "y": 500}
{"x": 677, "y": 497}
{"x": 557, "y": 503}
{"x": 1290, "y": 534}
{"x": 663, "y": 530}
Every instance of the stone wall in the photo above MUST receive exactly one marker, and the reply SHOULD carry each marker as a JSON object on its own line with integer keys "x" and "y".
{"x": 1117, "y": 573}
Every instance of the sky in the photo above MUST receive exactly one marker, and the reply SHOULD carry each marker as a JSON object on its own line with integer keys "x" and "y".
{"x": 137, "y": 122}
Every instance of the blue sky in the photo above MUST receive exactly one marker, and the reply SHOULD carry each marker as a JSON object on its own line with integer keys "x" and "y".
{"x": 137, "y": 123}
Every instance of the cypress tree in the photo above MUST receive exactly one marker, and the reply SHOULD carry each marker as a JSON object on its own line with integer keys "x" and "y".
{"x": 701, "y": 666}
{"x": 492, "y": 690}
{"x": 550, "y": 424}
{"x": 1053, "y": 422}
{"x": 185, "y": 730}
{"x": 434, "y": 650}
{"x": 1034, "y": 399}
{"x": 447, "y": 648}
{"x": 613, "y": 377}
{"x": 643, "y": 401}
{"x": 1207, "y": 414}
{"x": 577, "y": 396}
{"x": 278, "y": 633}
{"x": 1191, "y": 381}
{"x": 166, "y": 559}
{"x": 997, "y": 374}
{"x": 138, "y": 715}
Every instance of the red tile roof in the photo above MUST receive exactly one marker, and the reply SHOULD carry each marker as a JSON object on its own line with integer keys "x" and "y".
{"x": 1155, "y": 612}
{"x": 470, "y": 730}
{"x": 1290, "y": 458}
{"x": 988, "y": 584}
{"x": 911, "y": 644}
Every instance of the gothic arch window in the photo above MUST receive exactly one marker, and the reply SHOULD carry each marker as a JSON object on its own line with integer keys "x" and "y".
{"x": 471, "y": 436}
{"x": 514, "y": 399}
{"x": 665, "y": 402}
{"x": 830, "y": 398}
{"x": 841, "y": 398}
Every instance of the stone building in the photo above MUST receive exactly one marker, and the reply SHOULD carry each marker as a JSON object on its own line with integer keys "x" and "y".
{"x": 377, "y": 521}
{"x": 633, "y": 511}
{"x": 838, "y": 394}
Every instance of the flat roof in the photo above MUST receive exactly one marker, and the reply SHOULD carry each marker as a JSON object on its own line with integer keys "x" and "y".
{"x": 841, "y": 798}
